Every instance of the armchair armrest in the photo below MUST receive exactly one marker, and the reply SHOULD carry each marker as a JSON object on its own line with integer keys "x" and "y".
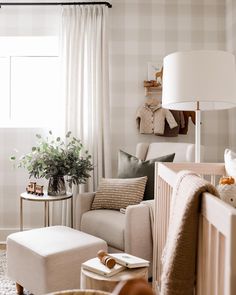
{"x": 138, "y": 231}
{"x": 83, "y": 203}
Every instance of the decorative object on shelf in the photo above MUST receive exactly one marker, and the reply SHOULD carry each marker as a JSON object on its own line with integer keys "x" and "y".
{"x": 151, "y": 86}
{"x": 34, "y": 188}
{"x": 227, "y": 190}
{"x": 153, "y": 68}
{"x": 158, "y": 76}
{"x": 154, "y": 82}
{"x": 54, "y": 158}
{"x": 199, "y": 80}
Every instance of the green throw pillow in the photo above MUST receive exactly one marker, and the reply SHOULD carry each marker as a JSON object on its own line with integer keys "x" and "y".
{"x": 130, "y": 167}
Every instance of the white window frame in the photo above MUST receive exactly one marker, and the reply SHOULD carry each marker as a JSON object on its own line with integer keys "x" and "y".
{"x": 27, "y": 47}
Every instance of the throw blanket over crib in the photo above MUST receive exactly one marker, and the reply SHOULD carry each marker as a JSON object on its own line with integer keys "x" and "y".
{"x": 179, "y": 256}
{"x": 215, "y": 271}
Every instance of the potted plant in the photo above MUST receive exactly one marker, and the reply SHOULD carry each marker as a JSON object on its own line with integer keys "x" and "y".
{"x": 54, "y": 158}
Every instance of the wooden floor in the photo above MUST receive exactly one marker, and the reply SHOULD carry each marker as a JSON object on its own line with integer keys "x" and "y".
{"x": 2, "y": 246}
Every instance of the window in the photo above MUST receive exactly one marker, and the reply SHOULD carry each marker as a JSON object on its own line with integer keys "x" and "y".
{"x": 29, "y": 82}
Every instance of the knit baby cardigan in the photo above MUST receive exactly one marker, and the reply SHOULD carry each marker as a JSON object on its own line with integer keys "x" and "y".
{"x": 150, "y": 118}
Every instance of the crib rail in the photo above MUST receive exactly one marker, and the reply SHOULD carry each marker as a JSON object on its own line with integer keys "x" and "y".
{"x": 216, "y": 261}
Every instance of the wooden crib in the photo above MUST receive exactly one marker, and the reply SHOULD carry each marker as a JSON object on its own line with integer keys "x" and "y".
{"x": 216, "y": 259}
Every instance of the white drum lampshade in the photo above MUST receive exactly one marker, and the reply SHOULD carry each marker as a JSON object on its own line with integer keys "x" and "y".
{"x": 199, "y": 80}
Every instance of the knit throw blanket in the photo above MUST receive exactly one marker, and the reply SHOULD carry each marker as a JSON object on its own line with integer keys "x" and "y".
{"x": 179, "y": 255}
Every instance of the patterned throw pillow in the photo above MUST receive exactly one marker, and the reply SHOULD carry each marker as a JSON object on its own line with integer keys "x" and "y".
{"x": 130, "y": 166}
{"x": 115, "y": 193}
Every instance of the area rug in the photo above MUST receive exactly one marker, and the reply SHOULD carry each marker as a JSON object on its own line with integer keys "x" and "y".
{"x": 7, "y": 287}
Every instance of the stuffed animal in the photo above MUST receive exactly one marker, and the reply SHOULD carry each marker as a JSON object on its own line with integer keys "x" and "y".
{"x": 227, "y": 190}
{"x": 226, "y": 180}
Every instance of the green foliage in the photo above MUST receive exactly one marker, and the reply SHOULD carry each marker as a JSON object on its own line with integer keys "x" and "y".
{"x": 55, "y": 158}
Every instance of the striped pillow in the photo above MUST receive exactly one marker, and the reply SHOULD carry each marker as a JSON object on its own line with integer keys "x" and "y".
{"x": 115, "y": 193}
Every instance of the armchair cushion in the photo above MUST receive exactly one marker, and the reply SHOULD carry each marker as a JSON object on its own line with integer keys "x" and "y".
{"x": 130, "y": 166}
{"x": 109, "y": 225}
{"x": 115, "y": 193}
{"x": 184, "y": 152}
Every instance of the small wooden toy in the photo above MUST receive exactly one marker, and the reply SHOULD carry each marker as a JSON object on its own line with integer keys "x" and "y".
{"x": 106, "y": 259}
{"x": 39, "y": 190}
{"x": 34, "y": 188}
{"x": 31, "y": 187}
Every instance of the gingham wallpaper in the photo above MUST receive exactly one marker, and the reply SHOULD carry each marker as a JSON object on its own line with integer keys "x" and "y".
{"x": 144, "y": 31}
{"x": 231, "y": 46}
{"x": 29, "y": 20}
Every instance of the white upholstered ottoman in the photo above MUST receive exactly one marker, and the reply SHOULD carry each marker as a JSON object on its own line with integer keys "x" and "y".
{"x": 49, "y": 259}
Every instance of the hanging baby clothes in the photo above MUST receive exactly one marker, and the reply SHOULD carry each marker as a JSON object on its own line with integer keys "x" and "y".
{"x": 151, "y": 118}
{"x": 187, "y": 114}
{"x": 173, "y": 132}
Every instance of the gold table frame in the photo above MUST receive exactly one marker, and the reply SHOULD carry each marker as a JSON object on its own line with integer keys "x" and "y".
{"x": 46, "y": 199}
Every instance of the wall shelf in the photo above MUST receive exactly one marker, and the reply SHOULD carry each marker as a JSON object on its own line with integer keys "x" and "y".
{"x": 151, "y": 89}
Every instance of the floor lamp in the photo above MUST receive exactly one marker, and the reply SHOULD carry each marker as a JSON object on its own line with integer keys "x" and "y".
{"x": 199, "y": 80}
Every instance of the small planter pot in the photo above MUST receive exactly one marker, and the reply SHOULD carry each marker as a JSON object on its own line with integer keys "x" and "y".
{"x": 56, "y": 186}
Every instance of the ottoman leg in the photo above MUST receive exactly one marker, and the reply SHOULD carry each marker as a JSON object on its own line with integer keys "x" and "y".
{"x": 19, "y": 289}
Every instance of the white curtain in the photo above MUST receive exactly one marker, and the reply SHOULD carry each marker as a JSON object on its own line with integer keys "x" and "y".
{"x": 85, "y": 70}
{"x": 84, "y": 45}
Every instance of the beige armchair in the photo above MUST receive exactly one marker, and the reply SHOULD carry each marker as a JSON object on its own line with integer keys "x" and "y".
{"x": 122, "y": 232}
{"x": 130, "y": 232}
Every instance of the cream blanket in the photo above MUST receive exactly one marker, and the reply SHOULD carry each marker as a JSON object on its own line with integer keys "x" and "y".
{"x": 178, "y": 260}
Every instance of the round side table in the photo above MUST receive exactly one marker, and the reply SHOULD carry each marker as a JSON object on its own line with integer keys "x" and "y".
{"x": 46, "y": 199}
{"x": 91, "y": 280}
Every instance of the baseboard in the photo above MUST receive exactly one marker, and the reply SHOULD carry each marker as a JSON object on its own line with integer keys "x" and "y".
{"x": 4, "y": 232}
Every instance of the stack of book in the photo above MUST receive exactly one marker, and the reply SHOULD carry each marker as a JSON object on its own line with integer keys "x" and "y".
{"x": 123, "y": 261}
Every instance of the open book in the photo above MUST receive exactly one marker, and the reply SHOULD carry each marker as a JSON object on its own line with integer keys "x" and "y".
{"x": 129, "y": 261}
{"x": 95, "y": 265}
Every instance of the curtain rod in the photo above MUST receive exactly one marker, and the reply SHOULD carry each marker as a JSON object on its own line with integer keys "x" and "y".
{"x": 55, "y": 3}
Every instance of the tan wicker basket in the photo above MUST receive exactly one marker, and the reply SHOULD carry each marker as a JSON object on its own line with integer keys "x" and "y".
{"x": 80, "y": 292}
